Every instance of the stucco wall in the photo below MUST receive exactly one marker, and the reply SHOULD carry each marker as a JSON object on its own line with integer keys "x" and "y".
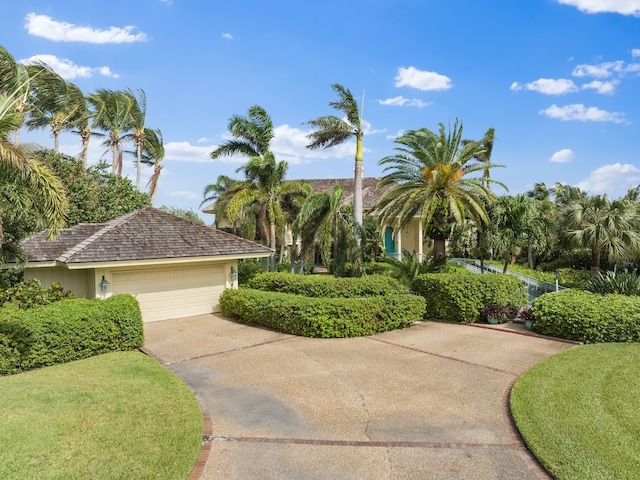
{"x": 74, "y": 280}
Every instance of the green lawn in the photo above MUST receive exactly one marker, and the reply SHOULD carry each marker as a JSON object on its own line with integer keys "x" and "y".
{"x": 579, "y": 412}
{"x": 114, "y": 416}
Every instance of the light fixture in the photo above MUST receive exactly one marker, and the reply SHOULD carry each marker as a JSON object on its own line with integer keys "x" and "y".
{"x": 234, "y": 274}
{"x": 104, "y": 285}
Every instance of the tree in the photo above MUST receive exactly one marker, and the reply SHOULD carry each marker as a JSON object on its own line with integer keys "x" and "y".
{"x": 152, "y": 154}
{"x": 138, "y": 129}
{"x": 181, "y": 212}
{"x": 603, "y": 226}
{"x": 430, "y": 176}
{"x": 332, "y": 130}
{"x": 265, "y": 186}
{"x": 114, "y": 115}
{"x": 26, "y": 183}
{"x": 95, "y": 195}
{"x": 252, "y": 135}
{"x": 14, "y": 86}
{"x": 55, "y": 103}
{"x": 511, "y": 225}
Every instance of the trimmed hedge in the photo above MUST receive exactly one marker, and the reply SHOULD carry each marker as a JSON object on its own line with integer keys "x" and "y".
{"x": 587, "y": 317}
{"x": 32, "y": 293}
{"x": 461, "y": 297}
{"x": 326, "y": 286}
{"x": 322, "y": 317}
{"x": 68, "y": 330}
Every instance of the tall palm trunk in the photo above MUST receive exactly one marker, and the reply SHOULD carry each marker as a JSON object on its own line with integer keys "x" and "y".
{"x": 595, "y": 261}
{"x": 272, "y": 245}
{"x": 357, "y": 183}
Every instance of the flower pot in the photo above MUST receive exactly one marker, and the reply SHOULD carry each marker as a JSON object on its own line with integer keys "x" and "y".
{"x": 493, "y": 321}
{"x": 528, "y": 324}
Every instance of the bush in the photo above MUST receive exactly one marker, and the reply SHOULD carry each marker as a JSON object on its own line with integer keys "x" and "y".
{"x": 67, "y": 330}
{"x": 325, "y": 286}
{"x": 587, "y": 317}
{"x": 32, "y": 293}
{"x": 321, "y": 317}
{"x": 461, "y": 297}
{"x": 624, "y": 283}
{"x": 247, "y": 269}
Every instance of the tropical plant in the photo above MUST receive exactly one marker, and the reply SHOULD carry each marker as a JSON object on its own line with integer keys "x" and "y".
{"x": 612, "y": 281}
{"x": 407, "y": 269}
{"x": 332, "y": 130}
{"x": 138, "y": 131}
{"x": 153, "y": 154}
{"x": 30, "y": 183}
{"x": 14, "y": 85}
{"x": 55, "y": 103}
{"x": 114, "y": 112}
{"x": 324, "y": 220}
{"x": 603, "y": 226}
{"x": 430, "y": 176}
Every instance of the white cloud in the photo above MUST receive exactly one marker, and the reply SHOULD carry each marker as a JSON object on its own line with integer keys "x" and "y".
{"x": 581, "y": 113}
{"x": 203, "y": 140}
{"x": 562, "y": 156}
{"x": 602, "y": 70}
{"x": 227, "y": 36}
{"x": 46, "y": 27}
{"x": 404, "y": 102}
{"x": 67, "y": 69}
{"x": 635, "y": 53}
{"x": 624, "y": 7}
{"x": 185, "y": 152}
{"x": 614, "y": 179}
{"x": 547, "y": 86}
{"x": 601, "y": 87}
{"x": 422, "y": 80}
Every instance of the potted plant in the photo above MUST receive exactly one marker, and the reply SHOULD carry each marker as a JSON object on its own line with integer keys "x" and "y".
{"x": 526, "y": 315}
{"x": 496, "y": 313}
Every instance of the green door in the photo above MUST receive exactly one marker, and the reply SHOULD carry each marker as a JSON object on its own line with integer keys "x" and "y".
{"x": 389, "y": 243}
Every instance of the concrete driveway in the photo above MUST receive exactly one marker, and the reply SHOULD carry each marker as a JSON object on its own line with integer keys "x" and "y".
{"x": 426, "y": 402}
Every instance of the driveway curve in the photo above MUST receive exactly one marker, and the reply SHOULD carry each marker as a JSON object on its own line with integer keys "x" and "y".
{"x": 425, "y": 402}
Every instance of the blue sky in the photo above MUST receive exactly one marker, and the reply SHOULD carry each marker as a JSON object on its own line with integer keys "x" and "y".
{"x": 559, "y": 80}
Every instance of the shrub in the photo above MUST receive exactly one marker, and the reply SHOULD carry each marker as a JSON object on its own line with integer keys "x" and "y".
{"x": 32, "y": 293}
{"x": 624, "y": 283}
{"x": 461, "y": 297}
{"x": 247, "y": 269}
{"x": 497, "y": 311}
{"x": 325, "y": 286}
{"x": 67, "y": 330}
{"x": 587, "y": 317}
{"x": 321, "y": 317}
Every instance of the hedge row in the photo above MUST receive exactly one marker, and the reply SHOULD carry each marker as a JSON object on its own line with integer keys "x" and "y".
{"x": 67, "y": 330}
{"x": 588, "y": 317}
{"x": 460, "y": 298}
{"x": 322, "y": 317}
{"x": 325, "y": 286}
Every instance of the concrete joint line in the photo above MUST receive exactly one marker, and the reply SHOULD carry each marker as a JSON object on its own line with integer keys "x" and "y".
{"x": 375, "y": 444}
{"x": 444, "y": 357}
{"x": 239, "y": 349}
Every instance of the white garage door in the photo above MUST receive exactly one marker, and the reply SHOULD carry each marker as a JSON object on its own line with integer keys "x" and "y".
{"x": 165, "y": 293}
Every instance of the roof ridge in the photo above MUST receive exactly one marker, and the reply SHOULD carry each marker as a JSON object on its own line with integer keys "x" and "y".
{"x": 108, "y": 226}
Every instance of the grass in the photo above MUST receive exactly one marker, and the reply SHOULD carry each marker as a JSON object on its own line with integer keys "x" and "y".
{"x": 113, "y": 416}
{"x": 578, "y": 412}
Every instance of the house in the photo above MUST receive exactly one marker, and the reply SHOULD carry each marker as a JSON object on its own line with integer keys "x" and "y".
{"x": 410, "y": 238}
{"x": 174, "y": 267}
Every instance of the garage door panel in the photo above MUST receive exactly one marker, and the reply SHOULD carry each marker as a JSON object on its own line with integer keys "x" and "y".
{"x": 172, "y": 292}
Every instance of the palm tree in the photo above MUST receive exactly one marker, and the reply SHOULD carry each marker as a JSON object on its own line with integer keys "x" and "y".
{"x": 430, "y": 176}
{"x": 36, "y": 181}
{"x": 14, "y": 84}
{"x": 55, "y": 103}
{"x": 113, "y": 114}
{"x": 138, "y": 130}
{"x": 152, "y": 154}
{"x": 265, "y": 186}
{"x": 332, "y": 130}
{"x": 252, "y": 135}
{"x": 513, "y": 226}
{"x": 603, "y": 226}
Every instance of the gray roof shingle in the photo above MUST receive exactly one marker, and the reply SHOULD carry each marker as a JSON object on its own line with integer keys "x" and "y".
{"x": 147, "y": 233}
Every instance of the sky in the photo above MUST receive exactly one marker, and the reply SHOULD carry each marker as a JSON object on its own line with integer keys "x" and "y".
{"x": 559, "y": 80}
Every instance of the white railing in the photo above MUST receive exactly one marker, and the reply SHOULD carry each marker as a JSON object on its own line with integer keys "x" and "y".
{"x": 535, "y": 287}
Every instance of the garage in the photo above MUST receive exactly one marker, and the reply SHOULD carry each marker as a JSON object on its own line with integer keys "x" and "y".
{"x": 165, "y": 293}
{"x": 174, "y": 267}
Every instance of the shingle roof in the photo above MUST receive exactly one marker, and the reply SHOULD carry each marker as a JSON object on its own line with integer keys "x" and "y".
{"x": 370, "y": 191}
{"x": 147, "y": 233}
